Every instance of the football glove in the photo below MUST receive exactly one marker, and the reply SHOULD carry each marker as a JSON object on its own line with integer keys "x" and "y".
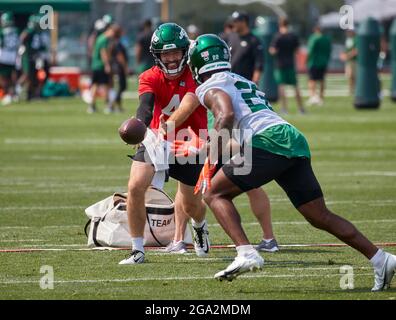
{"x": 188, "y": 148}
{"x": 204, "y": 180}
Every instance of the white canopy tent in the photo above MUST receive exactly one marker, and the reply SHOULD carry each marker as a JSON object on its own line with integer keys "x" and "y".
{"x": 329, "y": 20}
{"x": 362, "y": 9}
{"x": 274, "y": 5}
{"x": 377, "y": 9}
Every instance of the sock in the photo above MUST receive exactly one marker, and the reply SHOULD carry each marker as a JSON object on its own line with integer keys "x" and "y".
{"x": 197, "y": 224}
{"x": 245, "y": 249}
{"x": 268, "y": 240}
{"x": 137, "y": 244}
{"x": 378, "y": 259}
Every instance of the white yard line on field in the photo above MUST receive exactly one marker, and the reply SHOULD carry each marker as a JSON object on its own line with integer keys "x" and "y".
{"x": 250, "y": 276}
{"x": 331, "y": 202}
{"x": 210, "y": 225}
{"x": 72, "y": 141}
{"x": 66, "y": 168}
{"x": 65, "y": 180}
{"x": 41, "y": 208}
{"x": 68, "y": 190}
{"x": 305, "y": 222}
{"x": 22, "y": 240}
{"x": 161, "y": 250}
{"x": 40, "y": 227}
{"x": 368, "y": 173}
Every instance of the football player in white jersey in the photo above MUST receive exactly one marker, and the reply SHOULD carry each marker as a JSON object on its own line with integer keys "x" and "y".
{"x": 278, "y": 151}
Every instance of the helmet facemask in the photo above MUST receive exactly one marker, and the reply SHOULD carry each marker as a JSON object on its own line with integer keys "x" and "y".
{"x": 163, "y": 66}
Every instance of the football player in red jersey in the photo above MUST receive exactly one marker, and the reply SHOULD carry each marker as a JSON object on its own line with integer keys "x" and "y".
{"x": 161, "y": 90}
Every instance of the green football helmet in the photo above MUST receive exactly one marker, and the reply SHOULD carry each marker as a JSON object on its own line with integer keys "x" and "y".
{"x": 6, "y": 20}
{"x": 34, "y": 21}
{"x": 208, "y": 53}
{"x": 167, "y": 37}
{"x": 108, "y": 20}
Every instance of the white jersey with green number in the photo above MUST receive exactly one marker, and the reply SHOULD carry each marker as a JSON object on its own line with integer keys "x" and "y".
{"x": 251, "y": 109}
{"x": 259, "y": 126}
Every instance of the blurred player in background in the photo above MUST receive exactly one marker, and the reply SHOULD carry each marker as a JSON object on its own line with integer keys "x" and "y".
{"x": 162, "y": 89}
{"x": 193, "y": 31}
{"x": 43, "y": 59}
{"x": 30, "y": 46}
{"x": 98, "y": 29}
{"x": 9, "y": 43}
{"x": 349, "y": 57}
{"x": 319, "y": 51}
{"x": 144, "y": 59}
{"x": 119, "y": 58}
{"x": 101, "y": 68}
{"x": 284, "y": 47}
{"x": 247, "y": 50}
{"x": 228, "y": 27}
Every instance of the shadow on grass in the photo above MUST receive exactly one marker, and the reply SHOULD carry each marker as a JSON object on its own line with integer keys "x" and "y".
{"x": 335, "y": 292}
{"x": 305, "y": 263}
{"x": 304, "y": 251}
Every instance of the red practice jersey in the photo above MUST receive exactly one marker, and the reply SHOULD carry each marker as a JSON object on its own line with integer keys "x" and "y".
{"x": 169, "y": 94}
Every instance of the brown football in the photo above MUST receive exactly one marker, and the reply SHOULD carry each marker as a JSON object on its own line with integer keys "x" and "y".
{"x": 132, "y": 131}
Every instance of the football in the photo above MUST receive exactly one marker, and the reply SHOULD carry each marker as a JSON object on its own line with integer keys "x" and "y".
{"x": 132, "y": 131}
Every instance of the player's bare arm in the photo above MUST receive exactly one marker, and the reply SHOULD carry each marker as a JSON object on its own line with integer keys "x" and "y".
{"x": 187, "y": 106}
{"x": 106, "y": 60}
{"x": 256, "y": 76}
{"x": 220, "y": 104}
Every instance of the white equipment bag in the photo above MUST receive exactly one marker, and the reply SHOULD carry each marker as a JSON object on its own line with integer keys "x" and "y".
{"x": 108, "y": 221}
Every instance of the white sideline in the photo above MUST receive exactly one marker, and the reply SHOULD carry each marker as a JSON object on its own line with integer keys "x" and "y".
{"x": 274, "y": 200}
{"x": 210, "y": 225}
{"x": 252, "y": 276}
{"x": 305, "y": 222}
{"x": 58, "y": 141}
{"x": 43, "y": 208}
{"x": 22, "y": 240}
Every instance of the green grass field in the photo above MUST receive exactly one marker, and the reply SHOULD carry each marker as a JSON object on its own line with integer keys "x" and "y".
{"x": 55, "y": 160}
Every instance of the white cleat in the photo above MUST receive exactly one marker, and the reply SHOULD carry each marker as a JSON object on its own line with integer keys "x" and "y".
{"x": 87, "y": 97}
{"x": 383, "y": 276}
{"x": 201, "y": 240}
{"x": 176, "y": 247}
{"x": 271, "y": 246}
{"x": 6, "y": 100}
{"x": 135, "y": 257}
{"x": 240, "y": 265}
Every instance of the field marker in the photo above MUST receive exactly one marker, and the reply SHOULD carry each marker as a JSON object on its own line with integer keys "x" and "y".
{"x": 72, "y": 141}
{"x": 161, "y": 249}
{"x": 250, "y": 276}
{"x": 44, "y": 208}
{"x": 216, "y": 225}
{"x": 22, "y": 240}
